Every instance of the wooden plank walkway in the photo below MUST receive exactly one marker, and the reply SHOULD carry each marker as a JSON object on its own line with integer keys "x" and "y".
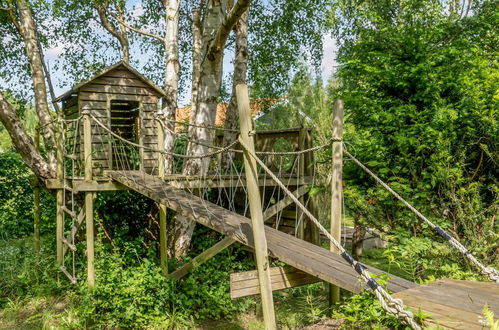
{"x": 302, "y": 255}
{"x": 453, "y": 304}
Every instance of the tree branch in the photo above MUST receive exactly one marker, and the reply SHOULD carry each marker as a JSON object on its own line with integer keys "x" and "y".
{"x": 22, "y": 142}
{"x": 148, "y": 34}
{"x": 10, "y": 12}
{"x": 121, "y": 36}
{"x": 223, "y": 32}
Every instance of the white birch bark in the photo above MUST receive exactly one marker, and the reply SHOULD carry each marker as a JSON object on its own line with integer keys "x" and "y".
{"x": 172, "y": 72}
{"x": 28, "y": 32}
{"x": 239, "y": 77}
{"x": 217, "y": 25}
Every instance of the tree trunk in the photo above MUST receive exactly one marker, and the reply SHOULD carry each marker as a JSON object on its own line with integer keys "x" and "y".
{"x": 216, "y": 28}
{"x": 23, "y": 142}
{"x": 239, "y": 77}
{"x": 196, "y": 63}
{"x": 171, "y": 78}
{"x": 359, "y": 233}
{"x": 28, "y": 32}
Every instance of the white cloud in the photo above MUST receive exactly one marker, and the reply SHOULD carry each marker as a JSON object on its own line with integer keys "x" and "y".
{"x": 330, "y": 50}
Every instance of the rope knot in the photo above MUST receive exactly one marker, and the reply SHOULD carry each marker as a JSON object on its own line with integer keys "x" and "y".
{"x": 491, "y": 273}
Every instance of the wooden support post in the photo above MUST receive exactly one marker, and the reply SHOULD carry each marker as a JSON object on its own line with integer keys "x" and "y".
{"x": 336, "y": 188}
{"x": 300, "y": 230}
{"x": 163, "y": 239}
{"x": 36, "y": 201}
{"x": 59, "y": 194}
{"x": 260, "y": 241}
{"x": 89, "y": 200}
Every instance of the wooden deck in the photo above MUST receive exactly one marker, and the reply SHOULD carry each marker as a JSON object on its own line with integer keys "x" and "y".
{"x": 302, "y": 255}
{"x": 106, "y": 183}
{"x": 453, "y": 304}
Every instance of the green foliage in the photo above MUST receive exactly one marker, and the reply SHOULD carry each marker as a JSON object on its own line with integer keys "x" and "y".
{"x": 135, "y": 294}
{"x": 24, "y": 273}
{"x": 489, "y": 317}
{"x": 363, "y": 311}
{"x": 16, "y": 199}
{"x": 423, "y": 259}
{"x": 420, "y": 88}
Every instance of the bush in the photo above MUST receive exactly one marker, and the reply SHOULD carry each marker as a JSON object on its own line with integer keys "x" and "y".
{"x": 16, "y": 199}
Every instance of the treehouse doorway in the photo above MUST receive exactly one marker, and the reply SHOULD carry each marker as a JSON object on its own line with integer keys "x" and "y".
{"x": 125, "y": 122}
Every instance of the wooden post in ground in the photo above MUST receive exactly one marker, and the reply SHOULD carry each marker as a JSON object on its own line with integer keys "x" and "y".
{"x": 163, "y": 239}
{"x": 336, "y": 188}
{"x": 60, "y": 194}
{"x": 300, "y": 230}
{"x": 36, "y": 201}
{"x": 258, "y": 226}
{"x": 89, "y": 200}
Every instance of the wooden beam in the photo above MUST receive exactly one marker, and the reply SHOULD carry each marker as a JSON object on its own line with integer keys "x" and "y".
{"x": 285, "y": 202}
{"x": 36, "y": 201}
{"x": 258, "y": 227}
{"x": 202, "y": 258}
{"x": 227, "y": 241}
{"x": 163, "y": 239}
{"x": 336, "y": 188}
{"x": 83, "y": 186}
{"x": 89, "y": 199}
{"x": 245, "y": 284}
{"x": 59, "y": 227}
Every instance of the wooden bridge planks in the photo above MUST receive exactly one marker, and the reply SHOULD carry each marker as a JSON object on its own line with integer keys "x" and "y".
{"x": 302, "y": 255}
{"x": 453, "y": 304}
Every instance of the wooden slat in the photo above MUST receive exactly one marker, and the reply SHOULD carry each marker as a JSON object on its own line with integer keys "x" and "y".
{"x": 112, "y": 89}
{"x": 455, "y": 304}
{"x": 111, "y": 80}
{"x": 86, "y": 96}
{"x": 325, "y": 265}
{"x": 246, "y": 283}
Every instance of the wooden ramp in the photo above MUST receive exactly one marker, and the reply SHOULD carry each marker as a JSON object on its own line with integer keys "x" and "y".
{"x": 302, "y": 255}
{"x": 453, "y": 304}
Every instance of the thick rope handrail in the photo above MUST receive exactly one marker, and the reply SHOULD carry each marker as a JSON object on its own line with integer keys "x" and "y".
{"x": 270, "y": 153}
{"x": 390, "y": 304}
{"x": 214, "y": 128}
{"x": 490, "y": 272}
{"x": 206, "y": 155}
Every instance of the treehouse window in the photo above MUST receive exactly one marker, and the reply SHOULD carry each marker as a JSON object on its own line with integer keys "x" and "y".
{"x": 125, "y": 122}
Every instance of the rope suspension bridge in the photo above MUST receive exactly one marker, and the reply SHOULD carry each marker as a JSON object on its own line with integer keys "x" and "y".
{"x": 248, "y": 195}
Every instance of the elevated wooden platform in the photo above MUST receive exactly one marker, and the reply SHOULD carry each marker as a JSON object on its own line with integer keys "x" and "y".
{"x": 106, "y": 183}
{"x": 302, "y": 255}
{"x": 453, "y": 304}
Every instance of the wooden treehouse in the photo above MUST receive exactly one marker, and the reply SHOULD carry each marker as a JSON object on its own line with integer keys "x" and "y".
{"x": 127, "y": 103}
{"x": 113, "y": 141}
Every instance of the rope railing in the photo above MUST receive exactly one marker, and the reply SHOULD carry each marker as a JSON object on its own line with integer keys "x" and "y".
{"x": 273, "y": 153}
{"x": 206, "y": 155}
{"x": 214, "y": 128}
{"x": 490, "y": 272}
{"x": 390, "y": 304}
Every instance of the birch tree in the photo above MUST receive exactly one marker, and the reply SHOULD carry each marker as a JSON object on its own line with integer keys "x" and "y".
{"x": 23, "y": 27}
{"x": 219, "y": 18}
{"x": 239, "y": 77}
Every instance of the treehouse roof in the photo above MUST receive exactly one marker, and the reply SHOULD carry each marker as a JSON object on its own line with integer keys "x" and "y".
{"x": 119, "y": 65}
